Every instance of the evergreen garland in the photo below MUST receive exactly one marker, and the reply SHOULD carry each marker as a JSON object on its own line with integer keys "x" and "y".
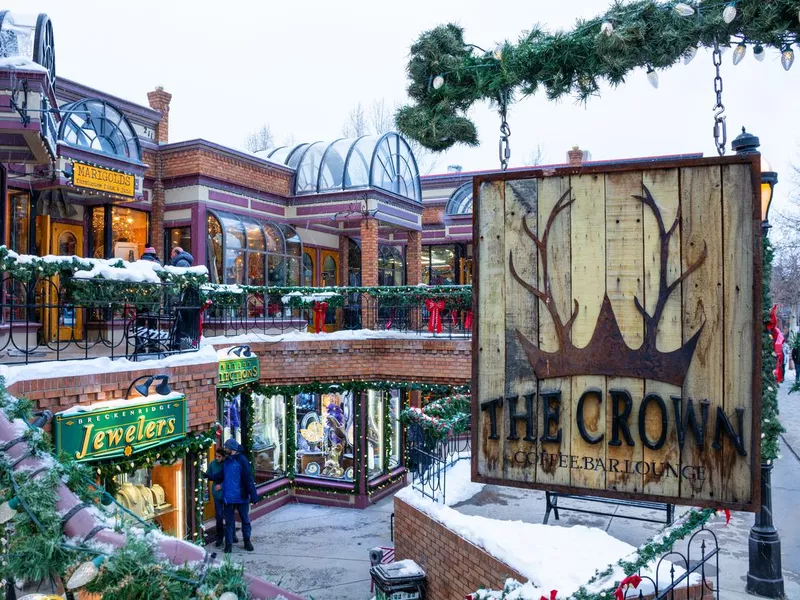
{"x": 446, "y": 416}
{"x": 771, "y": 427}
{"x": 644, "y": 34}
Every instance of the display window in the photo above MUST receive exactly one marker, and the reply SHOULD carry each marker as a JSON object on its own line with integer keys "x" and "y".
{"x": 180, "y": 237}
{"x": 325, "y": 430}
{"x": 395, "y": 399}
{"x": 268, "y": 437}
{"x": 18, "y": 221}
{"x": 383, "y": 431}
{"x": 232, "y": 418}
{"x": 156, "y": 495}
{"x": 127, "y": 237}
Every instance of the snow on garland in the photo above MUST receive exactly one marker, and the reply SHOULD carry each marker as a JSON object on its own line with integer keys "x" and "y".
{"x": 442, "y": 417}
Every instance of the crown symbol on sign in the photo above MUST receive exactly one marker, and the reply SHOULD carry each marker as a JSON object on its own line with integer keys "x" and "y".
{"x": 607, "y": 352}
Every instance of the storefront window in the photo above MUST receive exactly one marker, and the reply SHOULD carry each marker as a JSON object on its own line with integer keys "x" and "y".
{"x": 155, "y": 494}
{"x": 325, "y": 435}
{"x": 232, "y": 418}
{"x": 214, "y": 249}
{"x": 308, "y": 268}
{"x": 375, "y": 441}
{"x": 19, "y": 222}
{"x": 390, "y": 266}
{"x": 269, "y": 437}
{"x": 177, "y": 237}
{"x": 129, "y": 229}
{"x": 395, "y": 406}
{"x": 98, "y": 237}
{"x": 439, "y": 264}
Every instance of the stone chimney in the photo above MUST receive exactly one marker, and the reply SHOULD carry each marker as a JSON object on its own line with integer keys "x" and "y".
{"x": 575, "y": 157}
{"x": 159, "y": 100}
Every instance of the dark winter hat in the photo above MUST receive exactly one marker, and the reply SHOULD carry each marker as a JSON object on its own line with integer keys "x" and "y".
{"x": 231, "y": 444}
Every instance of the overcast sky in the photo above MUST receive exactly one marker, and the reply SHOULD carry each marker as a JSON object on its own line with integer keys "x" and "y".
{"x": 301, "y": 67}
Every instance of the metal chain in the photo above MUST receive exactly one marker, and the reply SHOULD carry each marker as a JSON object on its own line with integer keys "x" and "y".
{"x": 720, "y": 125}
{"x": 505, "y": 131}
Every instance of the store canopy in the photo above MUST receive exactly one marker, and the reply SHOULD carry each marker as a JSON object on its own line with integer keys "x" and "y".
{"x": 383, "y": 161}
{"x": 100, "y": 127}
{"x": 460, "y": 201}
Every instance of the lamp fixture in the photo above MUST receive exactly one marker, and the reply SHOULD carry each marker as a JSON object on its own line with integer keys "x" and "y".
{"x": 243, "y": 350}
{"x": 162, "y": 388}
{"x": 769, "y": 179}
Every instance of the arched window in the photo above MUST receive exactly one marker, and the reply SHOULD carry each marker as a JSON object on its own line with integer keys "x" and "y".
{"x": 98, "y": 126}
{"x": 246, "y": 251}
{"x": 380, "y": 161}
{"x": 460, "y": 201}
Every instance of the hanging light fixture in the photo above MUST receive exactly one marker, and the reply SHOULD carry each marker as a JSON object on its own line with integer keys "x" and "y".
{"x": 652, "y": 77}
{"x": 758, "y": 53}
{"x": 787, "y": 58}
{"x": 684, "y": 9}
{"x": 729, "y": 14}
{"x": 739, "y": 53}
{"x": 769, "y": 179}
{"x": 690, "y": 54}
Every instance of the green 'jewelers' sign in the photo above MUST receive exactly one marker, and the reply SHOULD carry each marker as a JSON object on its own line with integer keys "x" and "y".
{"x": 125, "y": 429}
{"x": 238, "y": 371}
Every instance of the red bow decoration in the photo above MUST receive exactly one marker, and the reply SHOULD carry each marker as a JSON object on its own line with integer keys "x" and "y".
{"x": 435, "y": 308}
{"x": 632, "y": 580}
{"x": 468, "y": 321}
{"x": 727, "y": 516}
{"x": 319, "y": 315}
{"x": 553, "y": 595}
{"x": 778, "y": 340}
{"x": 203, "y": 309}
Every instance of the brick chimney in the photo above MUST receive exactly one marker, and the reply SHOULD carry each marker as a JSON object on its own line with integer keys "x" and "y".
{"x": 575, "y": 157}
{"x": 159, "y": 100}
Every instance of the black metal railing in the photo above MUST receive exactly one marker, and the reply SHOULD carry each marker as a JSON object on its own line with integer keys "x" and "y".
{"x": 47, "y": 319}
{"x": 429, "y": 459}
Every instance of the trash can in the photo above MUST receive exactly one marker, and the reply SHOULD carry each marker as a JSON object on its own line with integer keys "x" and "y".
{"x": 402, "y": 580}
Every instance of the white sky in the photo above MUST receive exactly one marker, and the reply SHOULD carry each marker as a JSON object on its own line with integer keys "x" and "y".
{"x": 301, "y": 67}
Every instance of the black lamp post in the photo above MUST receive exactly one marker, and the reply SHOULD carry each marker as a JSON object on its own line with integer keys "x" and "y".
{"x": 764, "y": 574}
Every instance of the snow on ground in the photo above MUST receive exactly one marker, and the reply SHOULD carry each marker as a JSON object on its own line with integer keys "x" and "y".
{"x": 73, "y": 368}
{"x": 305, "y": 336}
{"x": 551, "y": 557}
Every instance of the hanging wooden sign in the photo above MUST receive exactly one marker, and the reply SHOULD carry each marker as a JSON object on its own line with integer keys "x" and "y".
{"x": 618, "y": 337}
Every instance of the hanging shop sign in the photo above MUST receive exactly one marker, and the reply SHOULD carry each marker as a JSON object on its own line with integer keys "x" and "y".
{"x": 122, "y": 430}
{"x": 236, "y": 370}
{"x": 617, "y": 350}
{"x": 104, "y": 180}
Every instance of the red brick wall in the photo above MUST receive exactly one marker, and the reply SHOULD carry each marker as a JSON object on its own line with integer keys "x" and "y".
{"x": 433, "y": 215}
{"x": 453, "y": 566}
{"x": 344, "y": 260}
{"x": 196, "y": 161}
{"x": 159, "y": 100}
{"x": 431, "y": 361}
{"x": 414, "y": 257}
{"x": 369, "y": 252}
{"x": 198, "y": 382}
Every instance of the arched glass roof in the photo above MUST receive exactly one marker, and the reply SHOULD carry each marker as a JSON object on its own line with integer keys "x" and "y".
{"x": 380, "y": 161}
{"x": 460, "y": 201}
{"x": 95, "y": 125}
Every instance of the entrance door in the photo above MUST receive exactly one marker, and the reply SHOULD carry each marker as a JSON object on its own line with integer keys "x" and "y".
{"x": 329, "y": 277}
{"x": 66, "y": 321}
{"x": 466, "y": 271}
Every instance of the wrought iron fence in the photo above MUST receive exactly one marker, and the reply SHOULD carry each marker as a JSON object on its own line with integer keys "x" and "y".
{"x": 693, "y": 575}
{"x": 268, "y": 314}
{"x": 429, "y": 459}
{"x": 47, "y": 319}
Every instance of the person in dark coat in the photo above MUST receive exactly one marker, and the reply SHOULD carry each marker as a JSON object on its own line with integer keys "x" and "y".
{"x": 216, "y": 469}
{"x": 238, "y": 492}
{"x": 181, "y": 258}
{"x": 150, "y": 255}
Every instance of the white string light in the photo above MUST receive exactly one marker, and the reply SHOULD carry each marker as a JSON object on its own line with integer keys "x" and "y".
{"x": 498, "y": 52}
{"x": 607, "y": 28}
{"x": 690, "y": 54}
{"x": 684, "y": 9}
{"x": 652, "y": 77}
{"x": 787, "y": 58}
{"x": 739, "y": 53}
{"x": 758, "y": 53}
{"x": 438, "y": 82}
{"x": 729, "y": 14}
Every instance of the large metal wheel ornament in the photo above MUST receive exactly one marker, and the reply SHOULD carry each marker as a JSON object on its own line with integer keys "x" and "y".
{"x": 44, "y": 52}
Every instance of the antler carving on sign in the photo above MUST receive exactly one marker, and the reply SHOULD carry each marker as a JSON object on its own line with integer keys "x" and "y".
{"x": 607, "y": 352}
{"x": 563, "y": 330}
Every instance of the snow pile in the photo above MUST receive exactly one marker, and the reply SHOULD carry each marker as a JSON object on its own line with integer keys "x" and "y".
{"x": 74, "y": 368}
{"x": 318, "y": 297}
{"x": 550, "y": 557}
{"x": 20, "y": 62}
{"x": 121, "y": 403}
{"x": 458, "y": 483}
{"x": 305, "y": 336}
{"x": 143, "y": 271}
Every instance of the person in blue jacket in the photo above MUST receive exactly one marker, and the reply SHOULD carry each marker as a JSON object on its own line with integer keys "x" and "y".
{"x": 238, "y": 492}
{"x": 215, "y": 468}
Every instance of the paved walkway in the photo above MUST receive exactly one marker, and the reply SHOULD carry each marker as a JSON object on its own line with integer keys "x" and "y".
{"x": 321, "y": 552}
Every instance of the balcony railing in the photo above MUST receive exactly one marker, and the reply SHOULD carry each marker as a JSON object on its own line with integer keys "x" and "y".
{"x": 61, "y": 318}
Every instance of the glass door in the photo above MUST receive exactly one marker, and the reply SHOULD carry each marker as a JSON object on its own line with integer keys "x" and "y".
{"x": 66, "y": 320}
{"x": 329, "y": 277}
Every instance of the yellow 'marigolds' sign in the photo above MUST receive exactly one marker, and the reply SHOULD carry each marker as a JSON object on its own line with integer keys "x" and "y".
{"x": 104, "y": 180}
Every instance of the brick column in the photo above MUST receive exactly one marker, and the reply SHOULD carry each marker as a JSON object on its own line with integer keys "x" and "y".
{"x": 414, "y": 258}
{"x": 159, "y": 100}
{"x": 369, "y": 271}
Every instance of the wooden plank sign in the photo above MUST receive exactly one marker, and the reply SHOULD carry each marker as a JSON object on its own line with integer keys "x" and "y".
{"x": 617, "y": 333}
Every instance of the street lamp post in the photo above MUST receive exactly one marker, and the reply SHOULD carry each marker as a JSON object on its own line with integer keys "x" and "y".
{"x": 764, "y": 574}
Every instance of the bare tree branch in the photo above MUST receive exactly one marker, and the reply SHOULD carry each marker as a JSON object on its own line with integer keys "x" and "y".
{"x": 260, "y": 139}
